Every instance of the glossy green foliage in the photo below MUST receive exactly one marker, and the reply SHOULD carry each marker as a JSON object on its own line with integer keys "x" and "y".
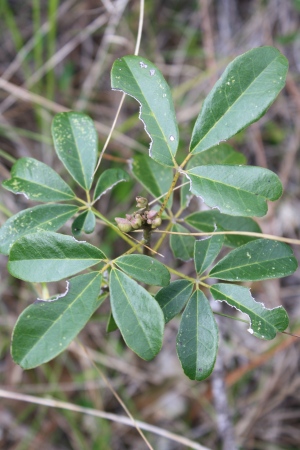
{"x": 213, "y": 220}
{"x": 212, "y": 170}
{"x": 137, "y": 315}
{"x": 258, "y": 260}
{"x": 154, "y": 177}
{"x": 220, "y": 154}
{"x": 84, "y": 223}
{"x": 265, "y": 323}
{"x": 197, "y": 339}
{"x": 76, "y": 144}
{"x": 144, "y": 269}
{"x": 45, "y": 257}
{"x": 235, "y": 190}
{"x": 108, "y": 179}
{"x": 182, "y": 246}
{"x": 46, "y": 328}
{"x": 37, "y": 181}
{"x": 206, "y": 251}
{"x": 240, "y": 97}
{"x": 140, "y": 79}
{"x": 173, "y": 298}
{"x": 33, "y": 220}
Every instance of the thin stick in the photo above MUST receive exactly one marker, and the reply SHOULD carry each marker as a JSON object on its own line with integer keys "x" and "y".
{"x": 110, "y": 387}
{"x": 102, "y": 414}
{"x": 238, "y": 233}
{"x": 136, "y": 51}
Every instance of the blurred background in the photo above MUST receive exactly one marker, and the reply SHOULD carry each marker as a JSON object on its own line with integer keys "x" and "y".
{"x": 56, "y": 55}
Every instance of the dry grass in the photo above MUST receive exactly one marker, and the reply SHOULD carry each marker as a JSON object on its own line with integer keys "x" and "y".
{"x": 57, "y": 60}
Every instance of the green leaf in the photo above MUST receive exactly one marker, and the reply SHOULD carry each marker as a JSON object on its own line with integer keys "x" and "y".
{"x": 220, "y": 154}
{"x": 144, "y": 269}
{"x": 185, "y": 195}
{"x": 46, "y": 328}
{"x": 137, "y": 314}
{"x": 240, "y": 97}
{"x": 37, "y": 181}
{"x": 108, "y": 179}
{"x": 265, "y": 323}
{"x": 75, "y": 140}
{"x": 45, "y": 257}
{"x": 182, "y": 246}
{"x": 173, "y": 298}
{"x": 258, "y": 260}
{"x": 156, "y": 178}
{"x": 85, "y": 223}
{"x": 197, "y": 339}
{"x": 213, "y": 220}
{"x": 140, "y": 79}
{"x": 236, "y": 190}
{"x": 206, "y": 251}
{"x": 33, "y": 220}
{"x": 111, "y": 324}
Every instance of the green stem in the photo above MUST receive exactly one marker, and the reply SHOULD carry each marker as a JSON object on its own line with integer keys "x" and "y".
{"x": 181, "y": 275}
{"x": 114, "y": 227}
{"x": 186, "y": 160}
{"x": 163, "y": 206}
{"x": 5, "y": 210}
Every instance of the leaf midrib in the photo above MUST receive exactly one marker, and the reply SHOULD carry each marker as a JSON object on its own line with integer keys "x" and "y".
{"x": 133, "y": 309}
{"x": 252, "y": 264}
{"x": 246, "y": 309}
{"x": 59, "y": 318}
{"x": 79, "y": 154}
{"x": 45, "y": 186}
{"x": 244, "y": 93}
{"x": 217, "y": 182}
{"x": 153, "y": 115}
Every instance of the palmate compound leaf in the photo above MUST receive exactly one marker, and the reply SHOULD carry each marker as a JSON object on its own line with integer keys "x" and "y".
{"x": 140, "y": 79}
{"x": 197, "y": 339}
{"x": 46, "y": 328}
{"x": 45, "y": 257}
{"x": 108, "y": 179}
{"x": 75, "y": 141}
{"x": 265, "y": 323}
{"x": 144, "y": 269}
{"x": 206, "y": 251}
{"x": 182, "y": 246}
{"x": 235, "y": 190}
{"x": 213, "y": 220}
{"x": 156, "y": 178}
{"x": 137, "y": 315}
{"x": 247, "y": 88}
{"x": 32, "y": 220}
{"x": 37, "y": 181}
{"x": 258, "y": 260}
{"x": 173, "y": 298}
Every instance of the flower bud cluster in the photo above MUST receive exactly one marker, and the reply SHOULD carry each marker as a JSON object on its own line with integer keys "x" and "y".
{"x": 138, "y": 220}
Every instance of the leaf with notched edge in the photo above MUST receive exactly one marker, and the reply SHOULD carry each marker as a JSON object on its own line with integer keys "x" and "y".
{"x": 139, "y": 78}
